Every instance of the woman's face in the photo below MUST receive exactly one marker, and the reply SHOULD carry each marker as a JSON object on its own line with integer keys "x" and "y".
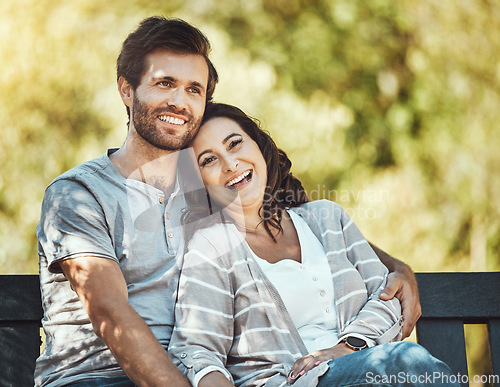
{"x": 231, "y": 164}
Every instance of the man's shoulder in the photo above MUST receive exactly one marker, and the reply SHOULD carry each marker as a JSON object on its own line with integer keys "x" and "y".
{"x": 98, "y": 169}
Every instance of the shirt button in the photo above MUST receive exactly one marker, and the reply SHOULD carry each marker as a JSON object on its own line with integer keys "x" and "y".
{"x": 328, "y": 310}
{"x": 183, "y": 355}
{"x": 161, "y": 199}
{"x": 322, "y": 293}
{"x": 315, "y": 278}
{"x": 170, "y": 234}
{"x": 167, "y": 215}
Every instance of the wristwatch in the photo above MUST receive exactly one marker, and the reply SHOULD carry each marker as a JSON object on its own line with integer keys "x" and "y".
{"x": 355, "y": 343}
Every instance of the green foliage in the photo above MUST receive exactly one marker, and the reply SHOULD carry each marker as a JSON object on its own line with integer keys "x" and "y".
{"x": 390, "y": 108}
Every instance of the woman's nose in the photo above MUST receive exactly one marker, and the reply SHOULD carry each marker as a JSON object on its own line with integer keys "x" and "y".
{"x": 231, "y": 164}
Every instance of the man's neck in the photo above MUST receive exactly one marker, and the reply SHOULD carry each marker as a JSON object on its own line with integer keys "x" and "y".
{"x": 146, "y": 163}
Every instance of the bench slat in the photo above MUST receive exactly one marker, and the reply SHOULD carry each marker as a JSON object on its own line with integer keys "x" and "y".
{"x": 474, "y": 297}
{"x": 445, "y": 340}
{"x": 20, "y": 298}
{"x": 494, "y": 333}
{"x": 20, "y": 344}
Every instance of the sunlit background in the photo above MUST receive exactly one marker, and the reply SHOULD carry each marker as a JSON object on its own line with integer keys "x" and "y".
{"x": 390, "y": 108}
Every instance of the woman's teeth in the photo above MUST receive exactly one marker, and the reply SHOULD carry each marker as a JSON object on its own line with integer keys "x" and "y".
{"x": 236, "y": 180}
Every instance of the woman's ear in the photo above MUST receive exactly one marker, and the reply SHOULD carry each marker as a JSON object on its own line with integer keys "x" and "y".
{"x": 126, "y": 91}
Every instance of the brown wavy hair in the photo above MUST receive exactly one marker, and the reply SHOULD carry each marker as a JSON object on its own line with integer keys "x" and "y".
{"x": 283, "y": 190}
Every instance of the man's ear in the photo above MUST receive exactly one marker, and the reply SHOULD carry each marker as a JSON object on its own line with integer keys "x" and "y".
{"x": 126, "y": 91}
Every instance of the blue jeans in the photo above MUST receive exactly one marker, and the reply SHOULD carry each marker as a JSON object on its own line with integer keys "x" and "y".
{"x": 118, "y": 381}
{"x": 393, "y": 364}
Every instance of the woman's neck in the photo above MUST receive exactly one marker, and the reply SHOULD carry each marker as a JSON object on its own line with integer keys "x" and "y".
{"x": 249, "y": 221}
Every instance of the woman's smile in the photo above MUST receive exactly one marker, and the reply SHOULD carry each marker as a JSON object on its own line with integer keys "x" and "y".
{"x": 240, "y": 181}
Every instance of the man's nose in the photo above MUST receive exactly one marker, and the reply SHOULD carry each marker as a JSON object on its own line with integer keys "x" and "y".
{"x": 177, "y": 98}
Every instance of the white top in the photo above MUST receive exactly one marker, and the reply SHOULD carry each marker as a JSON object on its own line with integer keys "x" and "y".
{"x": 306, "y": 289}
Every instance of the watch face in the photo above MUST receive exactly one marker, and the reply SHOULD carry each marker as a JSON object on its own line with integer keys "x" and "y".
{"x": 355, "y": 342}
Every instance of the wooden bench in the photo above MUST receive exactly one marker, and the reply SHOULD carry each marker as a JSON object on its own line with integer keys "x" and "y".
{"x": 449, "y": 300}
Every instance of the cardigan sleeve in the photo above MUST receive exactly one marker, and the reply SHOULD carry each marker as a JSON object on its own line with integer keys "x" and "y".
{"x": 378, "y": 321}
{"x": 204, "y": 311}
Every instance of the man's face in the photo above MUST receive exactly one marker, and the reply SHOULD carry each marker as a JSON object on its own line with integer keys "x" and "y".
{"x": 169, "y": 102}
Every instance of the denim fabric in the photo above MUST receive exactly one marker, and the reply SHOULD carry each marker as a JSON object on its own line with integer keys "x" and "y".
{"x": 119, "y": 381}
{"x": 393, "y": 364}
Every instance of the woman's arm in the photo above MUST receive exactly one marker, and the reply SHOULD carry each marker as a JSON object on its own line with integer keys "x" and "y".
{"x": 215, "y": 379}
{"x": 204, "y": 314}
{"x": 376, "y": 320}
{"x": 401, "y": 284}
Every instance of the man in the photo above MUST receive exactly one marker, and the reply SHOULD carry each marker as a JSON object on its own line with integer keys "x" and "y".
{"x": 109, "y": 234}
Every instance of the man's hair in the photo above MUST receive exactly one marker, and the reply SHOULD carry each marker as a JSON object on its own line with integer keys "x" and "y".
{"x": 157, "y": 32}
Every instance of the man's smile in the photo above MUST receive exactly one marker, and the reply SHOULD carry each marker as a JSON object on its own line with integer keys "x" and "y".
{"x": 171, "y": 120}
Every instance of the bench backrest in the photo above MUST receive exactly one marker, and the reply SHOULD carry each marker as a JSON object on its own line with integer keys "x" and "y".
{"x": 448, "y": 300}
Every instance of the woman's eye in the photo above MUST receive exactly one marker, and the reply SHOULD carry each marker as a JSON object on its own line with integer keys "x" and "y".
{"x": 234, "y": 143}
{"x": 207, "y": 160}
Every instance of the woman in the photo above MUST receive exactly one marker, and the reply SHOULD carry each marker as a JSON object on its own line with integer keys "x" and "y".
{"x": 276, "y": 290}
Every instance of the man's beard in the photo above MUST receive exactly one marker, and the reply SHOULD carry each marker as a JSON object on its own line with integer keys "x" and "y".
{"x": 145, "y": 121}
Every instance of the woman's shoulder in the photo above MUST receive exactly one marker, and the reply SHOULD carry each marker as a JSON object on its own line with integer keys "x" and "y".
{"x": 219, "y": 237}
{"x": 323, "y": 215}
{"x": 317, "y": 207}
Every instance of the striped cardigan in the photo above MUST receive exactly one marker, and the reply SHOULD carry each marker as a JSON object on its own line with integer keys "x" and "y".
{"x": 229, "y": 315}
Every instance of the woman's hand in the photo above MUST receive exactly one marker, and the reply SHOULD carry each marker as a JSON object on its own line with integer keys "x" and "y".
{"x": 308, "y": 362}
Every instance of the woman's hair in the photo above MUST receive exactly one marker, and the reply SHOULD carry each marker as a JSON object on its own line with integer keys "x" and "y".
{"x": 283, "y": 190}
{"x": 157, "y": 32}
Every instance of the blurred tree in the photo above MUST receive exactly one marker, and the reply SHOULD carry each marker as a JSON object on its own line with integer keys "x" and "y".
{"x": 387, "y": 107}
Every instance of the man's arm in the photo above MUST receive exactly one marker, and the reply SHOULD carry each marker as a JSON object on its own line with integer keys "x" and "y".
{"x": 101, "y": 288}
{"x": 402, "y": 284}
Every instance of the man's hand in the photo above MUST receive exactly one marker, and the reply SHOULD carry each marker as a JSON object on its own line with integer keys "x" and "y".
{"x": 402, "y": 284}
{"x": 308, "y": 362}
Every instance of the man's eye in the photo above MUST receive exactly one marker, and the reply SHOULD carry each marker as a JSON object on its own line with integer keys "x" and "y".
{"x": 194, "y": 90}
{"x": 207, "y": 160}
{"x": 234, "y": 143}
{"x": 165, "y": 83}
